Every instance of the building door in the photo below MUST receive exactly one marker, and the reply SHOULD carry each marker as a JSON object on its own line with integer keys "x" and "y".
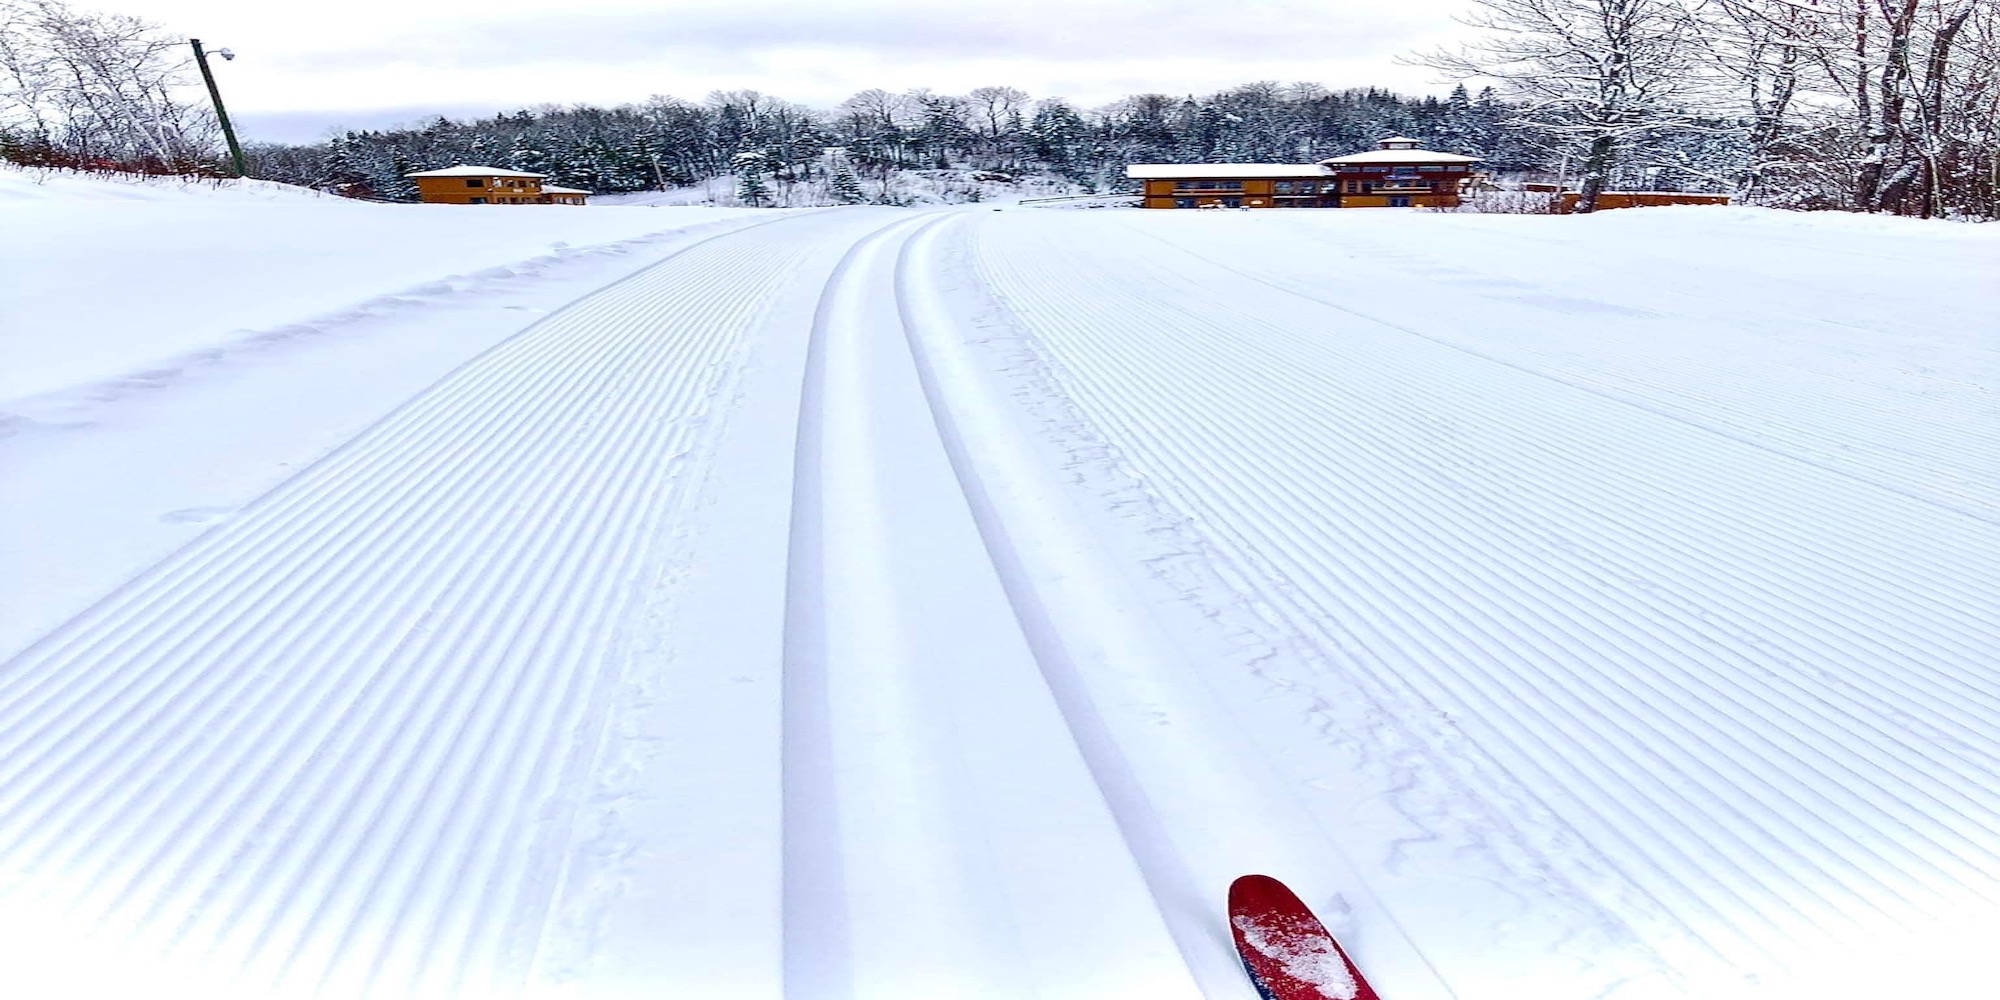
{"x": 1399, "y": 201}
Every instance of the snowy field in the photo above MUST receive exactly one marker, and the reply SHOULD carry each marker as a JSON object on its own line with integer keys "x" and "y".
{"x": 173, "y": 350}
{"x": 872, "y": 603}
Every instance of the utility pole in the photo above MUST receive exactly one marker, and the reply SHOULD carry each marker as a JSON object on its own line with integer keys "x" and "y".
{"x": 228, "y": 132}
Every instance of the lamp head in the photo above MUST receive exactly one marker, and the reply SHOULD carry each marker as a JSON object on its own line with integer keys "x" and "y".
{"x": 225, "y": 53}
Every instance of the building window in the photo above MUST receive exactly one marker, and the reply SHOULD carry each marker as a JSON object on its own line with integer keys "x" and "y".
{"x": 1353, "y": 187}
{"x": 1399, "y": 202}
{"x": 475, "y": 201}
{"x": 1430, "y": 170}
{"x": 1183, "y": 202}
{"x": 475, "y": 182}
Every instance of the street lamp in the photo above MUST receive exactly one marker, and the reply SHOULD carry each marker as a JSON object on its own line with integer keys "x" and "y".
{"x": 228, "y": 132}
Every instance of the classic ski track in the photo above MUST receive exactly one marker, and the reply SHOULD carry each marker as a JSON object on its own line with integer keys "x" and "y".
{"x": 337, "y": 745}
{"x": 810, "y": 910}
{"x": 1121, "y": 790}
{"x": 334, "y": 744}
{"x": 827, "y": 922}
{"x": 1825, "y": 802}
{"x": 1100, "y": 653}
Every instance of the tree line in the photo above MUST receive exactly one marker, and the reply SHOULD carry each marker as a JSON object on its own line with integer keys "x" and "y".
{"x": 1872, "y": 105}
{"x": 80, "y": 89}
{"x": 1000, "y": 131}
{"x": 1875, "y": 105}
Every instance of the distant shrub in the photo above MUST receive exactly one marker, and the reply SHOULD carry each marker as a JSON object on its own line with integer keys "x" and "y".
{"x": 1511, "y": 203}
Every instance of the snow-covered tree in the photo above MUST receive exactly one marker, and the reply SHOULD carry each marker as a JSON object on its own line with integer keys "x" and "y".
{"x": 844, "y": 186}
{"x": 341, "y": 171}
{"x": 750, "y": 187}
{"x": 398, "y": 185}
{"x": 1595, "y": 75}
{"x": 1059, "y": 136}
{"x": 100, "y": 88}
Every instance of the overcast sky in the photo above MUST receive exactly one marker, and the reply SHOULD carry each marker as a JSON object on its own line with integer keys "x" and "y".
{"x": 303, "y": 69}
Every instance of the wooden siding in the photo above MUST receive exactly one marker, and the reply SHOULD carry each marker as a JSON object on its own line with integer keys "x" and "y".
{"x": 1607, "y": 200}
{"x": 1259, "y": 192}
{"x": 489, "y": 191}
{"x": 1375, "y": 185}
{"x": 1401, "y": 185}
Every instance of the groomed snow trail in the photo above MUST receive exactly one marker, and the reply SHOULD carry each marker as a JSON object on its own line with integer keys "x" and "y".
{"x": 999, "y": 780}
{"x": 935, "y": 802}
{"x": 1721, "y": 698}
{"x": 873, "y": 604}
{"x": 339, "y": 743}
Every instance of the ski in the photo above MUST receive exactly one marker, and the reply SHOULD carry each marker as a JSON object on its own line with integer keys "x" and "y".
{"x": 1285, "y": 949}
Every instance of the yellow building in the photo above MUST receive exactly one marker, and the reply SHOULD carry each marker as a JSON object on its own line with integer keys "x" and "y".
{"x": 470, "y": 185}
{"x": 1398, "y": 175}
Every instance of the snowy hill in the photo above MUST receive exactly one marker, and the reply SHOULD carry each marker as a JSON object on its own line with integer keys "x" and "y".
{"x": 229, "y": 331}
{"x": 202, "y": 265}
{"x": 879, "y": 603}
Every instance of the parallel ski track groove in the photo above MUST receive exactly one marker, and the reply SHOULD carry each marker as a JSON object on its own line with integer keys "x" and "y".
{"x": 1977, "y": 641}
{"x": 1764, "y": 398}
{"x": 1574, "y": 602}
{"x": 811, "y": 911}
{"x": 221, "y": 739}
{"x": 1117, "y": 786}
{"x": 1129, "y": 435}
{"x": 809, "y": 851}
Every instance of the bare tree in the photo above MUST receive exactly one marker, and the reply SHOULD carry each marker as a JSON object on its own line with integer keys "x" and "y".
{"x": 1916, "y": 80}
{"x": 99, "y": 86}
{"x": 1595, "y": 73}
{"x": 991, "y": 107}
{"x": 1759, "y": 52}
{"x": 875, "y": 121}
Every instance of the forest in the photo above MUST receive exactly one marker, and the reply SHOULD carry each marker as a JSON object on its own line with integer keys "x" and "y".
{"x": 1867, "y": 105}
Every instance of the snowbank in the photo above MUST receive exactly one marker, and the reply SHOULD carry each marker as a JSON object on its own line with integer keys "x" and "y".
{"x": 107, "y": 277}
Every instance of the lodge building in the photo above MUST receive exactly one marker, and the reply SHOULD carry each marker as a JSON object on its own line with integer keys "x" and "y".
{"x": 470, "y": 185}
{"x": 1397, "y": 175}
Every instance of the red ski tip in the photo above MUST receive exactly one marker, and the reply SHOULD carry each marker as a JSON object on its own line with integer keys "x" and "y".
{"x": 1285, "y": 949}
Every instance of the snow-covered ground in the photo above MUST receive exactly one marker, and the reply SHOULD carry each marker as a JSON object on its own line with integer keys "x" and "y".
{"x": 876, "y": 603}
{"x": 173, "y": 350}
{"x": 905, "y": 187}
